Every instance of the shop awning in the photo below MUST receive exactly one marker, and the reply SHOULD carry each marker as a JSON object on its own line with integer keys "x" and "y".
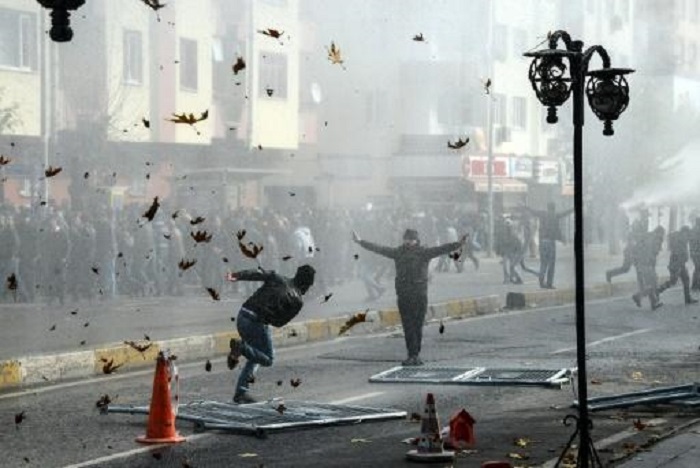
{"x": 500, "y": 184}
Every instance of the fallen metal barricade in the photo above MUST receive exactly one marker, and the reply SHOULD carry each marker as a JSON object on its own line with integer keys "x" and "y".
{"x": 474, "y": 376}
{"x": 682, "y": 395}
{"x": 271, "y": 416}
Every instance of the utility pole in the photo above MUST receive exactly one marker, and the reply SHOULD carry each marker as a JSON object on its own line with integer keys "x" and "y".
{"x": 489, "y": 131}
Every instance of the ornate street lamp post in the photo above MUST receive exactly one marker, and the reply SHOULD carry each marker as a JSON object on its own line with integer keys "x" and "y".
{"x": 60, "y": 17}
{"x": 608, "y": 95}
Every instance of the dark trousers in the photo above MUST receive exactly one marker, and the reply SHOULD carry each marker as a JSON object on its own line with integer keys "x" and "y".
{"x": 648, "y": 285}
{"x": 412, "y": 308}
{"x": 677, "y": 272}
{"x": 624, "y": 268}
{"x": 548, "y": 257}
{"x": 695, "y": 283}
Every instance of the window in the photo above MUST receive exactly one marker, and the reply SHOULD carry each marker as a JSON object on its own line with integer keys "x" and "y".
{"x": 519, "y": 112}
{"x": 692, "y": 54}
{"x": 500, "y": 42}
{"x": 590, "y": 6}
{"x": 189, "y": 66}
{"x": 273, "y": 75}
{"x": 499, "y": 106}
{"x": 519, "y": 42}
{"x": 625, "y": 9}
{"x": 133, "y": 57}
{"x": 680, "y": 52}
{"x": 18, "y": 41}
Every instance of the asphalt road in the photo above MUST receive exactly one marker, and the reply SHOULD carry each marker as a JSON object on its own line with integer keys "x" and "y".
{"x": 30, "y": 329}
{"x": 629, "y": 349}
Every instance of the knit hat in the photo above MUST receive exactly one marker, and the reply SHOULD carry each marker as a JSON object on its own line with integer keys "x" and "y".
{"x": 410, "y": 234}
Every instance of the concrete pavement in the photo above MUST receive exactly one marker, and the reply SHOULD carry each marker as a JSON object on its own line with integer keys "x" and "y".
{"x": 87, "y": 336}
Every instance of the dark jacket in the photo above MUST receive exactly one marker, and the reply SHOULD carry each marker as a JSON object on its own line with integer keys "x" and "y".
{"x": 411, "y": 263}
{"x": 277, "y": 301}
{"x": 678, "y": 245}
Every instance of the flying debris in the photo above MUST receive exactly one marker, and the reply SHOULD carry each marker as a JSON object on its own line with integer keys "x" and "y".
{"x": 154, "y": 4}
{"x": 52, "y": 171}
{"x": 141, "y": 348}
{"x": 186, "y": 264}
{"x": 104, "y": 401}
{"x": 458, "y": 144}
{"x": 201, "y": 236}
{"x": 12, "y": 282}
{"x": 487, "y": 85}
{"x": 251, "y": 252}
{"x": 151, "y": 212}
{"x": 352, "y": 321}
{"x": 274, "y": 33}
{"x": 238, "y": 66}
{"x": 419, "y": 38}
{"x": 214, "y": 294}
{"x": 109, "y": 367}
{"x": 334, "y": 54}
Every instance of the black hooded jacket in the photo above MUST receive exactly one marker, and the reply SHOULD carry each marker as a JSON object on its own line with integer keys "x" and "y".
{"x": 277, "y": 301}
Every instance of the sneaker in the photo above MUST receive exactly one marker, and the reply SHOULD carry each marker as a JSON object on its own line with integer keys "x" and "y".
{"x": 412, "y": 361}
{"x": 235, "y": 353}
{"x": 244, "y": 399}
{"x": 657, "y": 305}
{"x": 637, "y": 300}
{"x": 691, "y": 301}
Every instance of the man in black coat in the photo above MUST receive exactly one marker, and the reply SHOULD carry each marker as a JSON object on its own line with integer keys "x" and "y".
{"x": 678, "y": 245}
{"x": 411, "y": 260}
{"x": 274, "y": 303}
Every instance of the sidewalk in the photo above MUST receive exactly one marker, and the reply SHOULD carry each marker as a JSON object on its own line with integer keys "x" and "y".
{"x": 682, "y": 450}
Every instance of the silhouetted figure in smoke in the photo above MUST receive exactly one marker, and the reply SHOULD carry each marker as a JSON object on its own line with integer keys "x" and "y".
{"x": 694, "y": 244}
{"x": 510, "y": 249}
{"x": 549, "y": 234}
{"x": 645, "y": 263}
{"x": 639, "y": 228}
{"x": 678, "y": 245}
{"x": 411, "y": 260}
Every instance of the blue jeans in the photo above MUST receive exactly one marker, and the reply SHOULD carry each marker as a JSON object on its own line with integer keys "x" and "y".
{"x": 256, "y": 347}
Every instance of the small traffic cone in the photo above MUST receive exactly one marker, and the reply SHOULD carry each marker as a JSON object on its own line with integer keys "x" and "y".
{"x": 430, "y": 448}
{"x": 161, "y": 417}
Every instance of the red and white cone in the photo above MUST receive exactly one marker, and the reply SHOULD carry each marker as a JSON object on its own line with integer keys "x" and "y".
{"x": 430, "y": 442}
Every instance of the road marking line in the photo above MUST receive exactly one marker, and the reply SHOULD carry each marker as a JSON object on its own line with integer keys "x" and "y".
{"x": 128, "y": 453}
{"x": 604, "y": 340}
{"x": 357, "y": 398}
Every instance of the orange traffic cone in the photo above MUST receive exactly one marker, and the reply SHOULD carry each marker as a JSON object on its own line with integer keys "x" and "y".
{"x": 161, "y": 417}
{"x": 430, "y": 442}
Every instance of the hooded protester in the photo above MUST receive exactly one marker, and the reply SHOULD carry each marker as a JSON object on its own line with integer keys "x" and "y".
{"x": 678, "y": 245}
{"x": 274, "y": 303}
{"x": 645, "y": 263}
{"x": 411, "y": 260}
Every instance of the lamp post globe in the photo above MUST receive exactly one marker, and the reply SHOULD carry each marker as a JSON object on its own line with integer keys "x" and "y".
{"x": 607, "y": 91}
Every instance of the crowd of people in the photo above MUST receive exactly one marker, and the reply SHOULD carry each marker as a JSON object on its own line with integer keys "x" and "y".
{"x": 97, "y": 253}
{"x": 642, "y": 250}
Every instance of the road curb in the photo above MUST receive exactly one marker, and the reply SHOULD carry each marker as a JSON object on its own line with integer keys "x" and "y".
{"x": 28, "y": 370}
